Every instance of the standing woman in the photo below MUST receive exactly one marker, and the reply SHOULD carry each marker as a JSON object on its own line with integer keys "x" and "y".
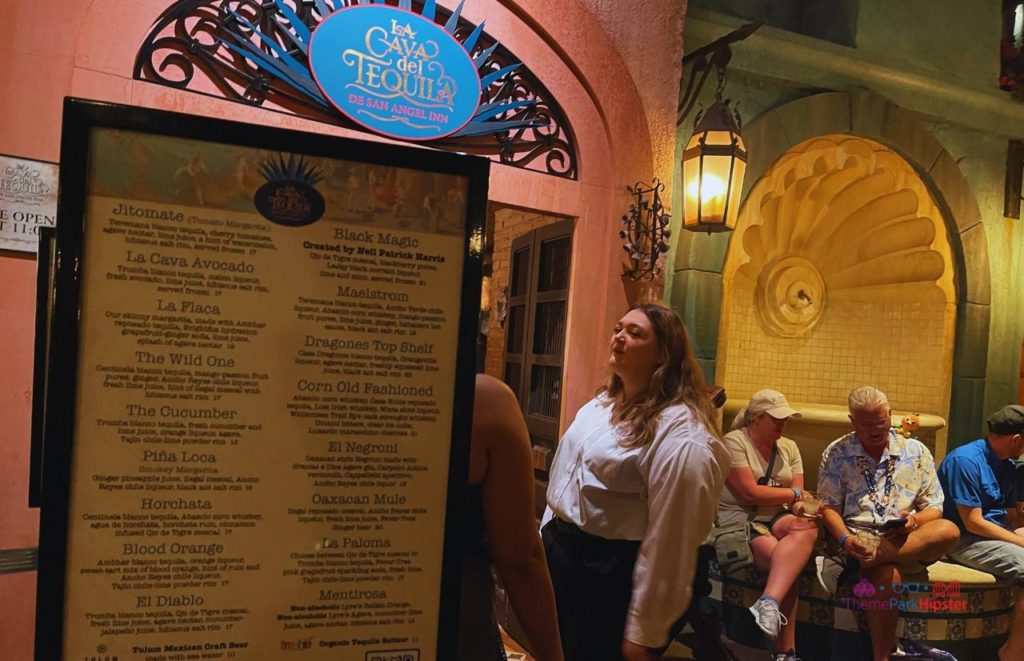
{"x": 633, "y": 491}
{"x": 765, "y": 495}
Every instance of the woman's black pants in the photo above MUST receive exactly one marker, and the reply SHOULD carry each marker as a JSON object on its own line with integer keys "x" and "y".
{"x": 593, "y": 581}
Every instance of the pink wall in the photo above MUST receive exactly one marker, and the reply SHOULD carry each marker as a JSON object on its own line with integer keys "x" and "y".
{"x": 577, "y": 47}
{"x": 18, "y": 523}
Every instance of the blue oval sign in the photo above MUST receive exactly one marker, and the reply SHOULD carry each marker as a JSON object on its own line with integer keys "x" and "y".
{"x": 394, "y": 72}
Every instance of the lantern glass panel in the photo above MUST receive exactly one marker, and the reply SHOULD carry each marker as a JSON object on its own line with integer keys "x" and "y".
{"x": 735, "y": 190}
{"x": 714, "y": 163}
{"x": 707, "y": 191}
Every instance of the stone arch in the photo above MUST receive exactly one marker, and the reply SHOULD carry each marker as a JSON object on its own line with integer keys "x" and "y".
{"x": 867, "y": 115}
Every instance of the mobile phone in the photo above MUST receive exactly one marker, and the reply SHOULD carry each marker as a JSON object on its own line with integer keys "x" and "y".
{"x": 893, "y": 524}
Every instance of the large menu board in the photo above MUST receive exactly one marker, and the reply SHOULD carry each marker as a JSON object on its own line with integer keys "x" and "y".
{"x": 272, "y": 341}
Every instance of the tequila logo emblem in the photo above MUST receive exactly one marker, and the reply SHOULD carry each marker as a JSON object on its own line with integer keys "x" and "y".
{"x": 21, "y": 183}
{"x": 289, "y": 196}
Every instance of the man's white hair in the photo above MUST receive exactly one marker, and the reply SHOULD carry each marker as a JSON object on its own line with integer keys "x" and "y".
{"x": 867, "y": 398}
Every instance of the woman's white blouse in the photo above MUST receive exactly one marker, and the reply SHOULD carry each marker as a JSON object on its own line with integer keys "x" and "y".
{"x": 665, "y": 494}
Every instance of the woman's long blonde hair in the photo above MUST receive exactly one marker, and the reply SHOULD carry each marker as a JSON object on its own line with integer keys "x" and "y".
{"x": 676, "y": 380}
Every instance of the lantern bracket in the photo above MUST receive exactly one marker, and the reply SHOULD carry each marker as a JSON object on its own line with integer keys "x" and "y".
{"x": 715, "y": 55}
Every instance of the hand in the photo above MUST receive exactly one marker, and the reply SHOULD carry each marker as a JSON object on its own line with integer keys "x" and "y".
{"x": 910, "y": 524}
{"x": 856, "y": 550}
{"x": 634, "y": 652}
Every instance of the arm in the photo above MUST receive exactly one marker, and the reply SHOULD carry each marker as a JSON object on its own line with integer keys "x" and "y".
{"x": 832, "y": 494}
{"x": 1013, "y": 517}
{"x": 741, "y": 481}
{"x": 684, "y": 481}
{"x": 508, "y": 513}
{"x": 1014, "y": 506}
{"x": 976, "y": 524}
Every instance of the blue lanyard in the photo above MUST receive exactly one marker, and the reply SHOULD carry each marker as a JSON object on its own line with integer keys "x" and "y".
{"x": 880, "y": 505}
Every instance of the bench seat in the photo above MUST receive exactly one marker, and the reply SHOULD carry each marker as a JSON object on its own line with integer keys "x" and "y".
{"x": 948, "y": 606}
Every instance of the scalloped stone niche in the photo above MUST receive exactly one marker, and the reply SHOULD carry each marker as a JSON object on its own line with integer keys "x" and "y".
{"x": 840, "y": 274}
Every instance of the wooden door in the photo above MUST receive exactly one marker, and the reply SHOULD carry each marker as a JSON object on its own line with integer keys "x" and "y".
{"x": 535, "y": 340}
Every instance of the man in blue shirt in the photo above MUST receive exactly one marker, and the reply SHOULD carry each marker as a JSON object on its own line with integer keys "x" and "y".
{"x": 981, "y": 494}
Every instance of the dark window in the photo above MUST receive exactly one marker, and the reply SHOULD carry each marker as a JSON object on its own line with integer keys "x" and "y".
{"x": 1011, "y": 70}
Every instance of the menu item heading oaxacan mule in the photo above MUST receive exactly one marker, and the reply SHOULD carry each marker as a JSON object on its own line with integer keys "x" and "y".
{"x": 394, "y": 72}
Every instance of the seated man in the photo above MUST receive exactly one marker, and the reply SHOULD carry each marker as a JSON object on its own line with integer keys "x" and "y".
{"x": 878, "y": 488}
{"x": 981, "y": 493}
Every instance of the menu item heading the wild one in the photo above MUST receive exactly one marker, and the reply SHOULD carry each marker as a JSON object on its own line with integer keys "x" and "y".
{"x": 264, "y": 409}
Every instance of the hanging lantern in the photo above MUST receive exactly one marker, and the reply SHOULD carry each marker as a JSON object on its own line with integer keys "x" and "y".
{"x": 714, "y": 162}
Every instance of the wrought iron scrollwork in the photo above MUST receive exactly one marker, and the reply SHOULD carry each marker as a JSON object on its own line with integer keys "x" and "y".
{"x": 200, "y": 46}
{"x": 645, "y": 231}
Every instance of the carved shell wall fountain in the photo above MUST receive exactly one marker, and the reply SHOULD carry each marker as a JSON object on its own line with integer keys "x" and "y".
{"x": 839, "y": 274}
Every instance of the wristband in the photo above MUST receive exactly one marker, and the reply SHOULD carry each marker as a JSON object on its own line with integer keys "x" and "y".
{"x": 842, "y": 540}
{"x": 796, "y": 494}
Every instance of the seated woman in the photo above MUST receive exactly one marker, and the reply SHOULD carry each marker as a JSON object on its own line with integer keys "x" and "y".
{"x": 765, "y": 476}
{"x": 502, "y": 531}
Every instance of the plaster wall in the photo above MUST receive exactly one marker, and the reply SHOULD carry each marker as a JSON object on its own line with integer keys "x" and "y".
{"x": 952, "y": 38}
{"x": 577, "y": 47}
{"x": 653, "y": 57}
{"x": 950, "y": 121}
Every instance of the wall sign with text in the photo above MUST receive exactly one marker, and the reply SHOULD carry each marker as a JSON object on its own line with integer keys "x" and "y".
{"x": 251, "y": 440}
{"x": 411, "y": 74}
{"x": 394, "y": 72}
{"x": 28, "y": 201}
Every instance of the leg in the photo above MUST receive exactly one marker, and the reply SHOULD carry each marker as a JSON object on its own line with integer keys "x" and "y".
{"x": 563, "y": 567}
{"x": 880, "y": 618}
{"x": 592, "y": 578}
{"x": 787, "y": 635}
{"x": 762, "y": 548}
{"x": 783, "y": 555}
{"x": 926, "y": 544}
{"x": 790, "y": 556}
{"x": 1005, "y": 561}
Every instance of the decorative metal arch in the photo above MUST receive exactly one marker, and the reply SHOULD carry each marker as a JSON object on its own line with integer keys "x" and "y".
{"x": 253, "y": 52}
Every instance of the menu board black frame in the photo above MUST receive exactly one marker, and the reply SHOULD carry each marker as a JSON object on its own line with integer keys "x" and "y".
{"x": 46, "y": 264}
{"x": 81, "y": 119}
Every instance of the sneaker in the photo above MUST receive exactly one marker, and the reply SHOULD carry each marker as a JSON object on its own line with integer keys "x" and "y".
{"x": 912, "y": 650}
{"x": 786, "y": 656}
{"x": 767, "y": 616}
{"x": 829, "y": 570}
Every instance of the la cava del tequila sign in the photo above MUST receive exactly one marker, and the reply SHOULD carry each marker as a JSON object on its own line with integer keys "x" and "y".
{"x": 394, "y": 72}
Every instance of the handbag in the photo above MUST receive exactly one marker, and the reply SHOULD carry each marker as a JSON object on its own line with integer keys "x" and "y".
{"x": 732, "y": 547}
{"x": 732, "y": 543}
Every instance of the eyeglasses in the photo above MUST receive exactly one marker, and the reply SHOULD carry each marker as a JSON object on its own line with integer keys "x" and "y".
{"x": 877, "y": 424}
